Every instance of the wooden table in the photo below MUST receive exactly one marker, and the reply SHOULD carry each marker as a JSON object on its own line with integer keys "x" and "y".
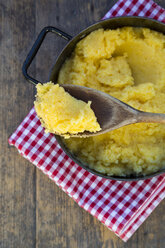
{"x": 34, "y": 211}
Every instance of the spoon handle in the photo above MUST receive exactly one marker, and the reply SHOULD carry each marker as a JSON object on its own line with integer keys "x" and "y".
{"x": 150, "y": 117}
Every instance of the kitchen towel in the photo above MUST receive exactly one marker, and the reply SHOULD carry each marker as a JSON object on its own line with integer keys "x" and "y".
{"x": 121, "y": 206}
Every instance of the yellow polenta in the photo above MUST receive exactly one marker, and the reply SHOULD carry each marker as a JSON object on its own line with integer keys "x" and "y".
{"x": 61, "y": 113}
{"x": 129, "y": 64}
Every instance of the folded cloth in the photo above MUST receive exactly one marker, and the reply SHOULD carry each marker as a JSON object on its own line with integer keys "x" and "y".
{"x": 121, "y": 206}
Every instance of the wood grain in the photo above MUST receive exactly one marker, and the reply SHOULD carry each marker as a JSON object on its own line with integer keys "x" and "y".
{"x": 18, "y": 177}
{"x": 34, "y": 211}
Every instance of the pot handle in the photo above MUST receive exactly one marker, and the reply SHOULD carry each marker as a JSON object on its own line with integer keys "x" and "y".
{"x": 36, "y": 47}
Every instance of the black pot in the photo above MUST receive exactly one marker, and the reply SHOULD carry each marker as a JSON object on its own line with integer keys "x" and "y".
{"x": 112, "y": 23}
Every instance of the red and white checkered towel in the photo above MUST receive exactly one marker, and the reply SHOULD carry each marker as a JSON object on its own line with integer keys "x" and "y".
{"x": 121, "y": 206}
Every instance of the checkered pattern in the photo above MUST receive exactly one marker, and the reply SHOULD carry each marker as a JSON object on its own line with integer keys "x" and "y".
{"x": 145, "y": 8}
{"x": 121, "y": 206}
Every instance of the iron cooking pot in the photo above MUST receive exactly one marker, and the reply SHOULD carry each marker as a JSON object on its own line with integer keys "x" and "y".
{"x": 111, "y": 23}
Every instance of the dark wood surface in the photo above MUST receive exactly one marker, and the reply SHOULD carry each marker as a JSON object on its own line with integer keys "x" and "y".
{"x": 34, "y": 212}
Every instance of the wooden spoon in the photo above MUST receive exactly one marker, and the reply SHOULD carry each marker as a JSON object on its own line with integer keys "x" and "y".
{"x": 111, "y": 113}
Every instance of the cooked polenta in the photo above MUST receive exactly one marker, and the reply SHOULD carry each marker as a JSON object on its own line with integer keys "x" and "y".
{"x": 129, "y": 64}
{"x": 61, "y": 113}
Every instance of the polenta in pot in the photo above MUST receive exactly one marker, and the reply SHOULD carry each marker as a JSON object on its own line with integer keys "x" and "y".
{"x": 129, "y": 64}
